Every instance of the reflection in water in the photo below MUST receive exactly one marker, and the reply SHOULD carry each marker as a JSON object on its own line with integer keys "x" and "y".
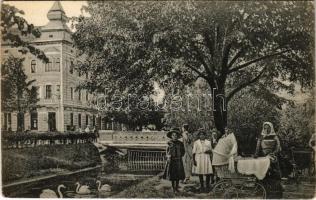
{"x": 33, "y": 190}
{"x": 94, "y": 194}
{"x": 114, "y": 172}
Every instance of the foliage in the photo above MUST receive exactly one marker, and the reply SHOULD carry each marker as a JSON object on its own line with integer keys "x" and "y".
{"x": 137, "y": 118}
{"x": 17, "y": 94}
{"x": 230, "y": 45}
{"x": 248, "y": 112}
{"x": 297, "y": 124}
{"x": 16, "y": 31}
{"x": 190, "y": 105}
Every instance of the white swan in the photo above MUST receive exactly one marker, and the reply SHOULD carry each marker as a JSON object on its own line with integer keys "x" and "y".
{"x": 82, "y": 189}
{"x": 48, "y": 193}
{"x": 103, "y": 188}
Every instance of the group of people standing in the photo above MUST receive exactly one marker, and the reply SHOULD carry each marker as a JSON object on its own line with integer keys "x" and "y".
{"x": 204, "y": 157}
{"x": 186, "y": 156}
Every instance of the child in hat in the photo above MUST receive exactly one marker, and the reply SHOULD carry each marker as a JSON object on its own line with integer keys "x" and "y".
{"x": 202, "y": 149}
{"x": 174, "y": 170}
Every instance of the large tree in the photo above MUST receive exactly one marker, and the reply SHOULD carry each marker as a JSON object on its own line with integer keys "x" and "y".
{"x": 17, "y": 93}
{"x": 231, "y": 45}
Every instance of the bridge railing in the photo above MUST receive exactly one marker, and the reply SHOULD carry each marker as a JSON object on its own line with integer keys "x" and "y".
{"x": 135, "y": 137}
{"x": 146, "y": 160}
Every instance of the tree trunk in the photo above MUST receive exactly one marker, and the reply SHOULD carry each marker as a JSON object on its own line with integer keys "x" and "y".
{"x": 219, "y": 110}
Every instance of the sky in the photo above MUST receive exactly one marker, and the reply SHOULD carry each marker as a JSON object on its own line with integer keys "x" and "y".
{"x": 36, "y": 11}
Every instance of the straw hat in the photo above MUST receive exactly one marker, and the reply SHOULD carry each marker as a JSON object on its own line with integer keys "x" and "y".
{"x": 174, "y": 130}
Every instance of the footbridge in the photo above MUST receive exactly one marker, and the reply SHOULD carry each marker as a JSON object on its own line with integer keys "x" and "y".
{"x": 139, "y": 151}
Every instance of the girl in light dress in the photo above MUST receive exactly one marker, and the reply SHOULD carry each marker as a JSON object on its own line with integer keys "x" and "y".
{"x": 202, "y": 150}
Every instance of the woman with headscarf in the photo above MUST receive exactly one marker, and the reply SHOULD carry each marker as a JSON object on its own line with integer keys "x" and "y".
{"x": 269, "y": 145}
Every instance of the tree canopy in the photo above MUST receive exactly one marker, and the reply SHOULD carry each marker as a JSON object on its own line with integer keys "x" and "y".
{"x": 17, "y": 32}
{"x": 231, "y": 45}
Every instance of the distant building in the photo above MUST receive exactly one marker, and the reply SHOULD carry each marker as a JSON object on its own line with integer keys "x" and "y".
{"x": 61, "y": 107}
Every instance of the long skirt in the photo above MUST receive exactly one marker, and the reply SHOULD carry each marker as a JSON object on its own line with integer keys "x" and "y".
{"x": 174, "y": 170}
{"x": 187, "y": 162}
{"x": 203, "y": 164}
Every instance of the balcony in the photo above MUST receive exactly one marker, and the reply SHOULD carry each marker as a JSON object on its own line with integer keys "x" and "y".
{"x": 52, "y": 100}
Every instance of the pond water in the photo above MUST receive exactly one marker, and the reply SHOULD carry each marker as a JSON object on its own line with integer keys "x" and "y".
{"x": 118, "y": 180}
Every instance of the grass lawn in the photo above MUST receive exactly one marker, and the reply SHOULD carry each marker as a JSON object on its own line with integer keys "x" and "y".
{"x": 23, "y": 163}
{"x": 159, "y": 188}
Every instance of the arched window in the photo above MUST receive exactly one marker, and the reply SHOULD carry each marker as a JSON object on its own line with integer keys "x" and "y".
{"x": 33, "y": 66}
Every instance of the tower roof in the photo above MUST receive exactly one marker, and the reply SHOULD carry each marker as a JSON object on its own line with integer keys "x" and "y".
{"x": 57, "y": 18}
{"x": 57, "y": 7}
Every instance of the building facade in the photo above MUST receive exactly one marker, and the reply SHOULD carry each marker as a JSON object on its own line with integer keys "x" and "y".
{"x": 60, "y": 107}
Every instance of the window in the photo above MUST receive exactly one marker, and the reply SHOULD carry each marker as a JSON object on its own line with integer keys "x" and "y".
{"x": 79, "y": 95}
{"x": 87, "y": 75}
{"x": 79, "y": 71}
{"x": 57, "y": 64}
{"x": 71, "y": 93}
{"x": 71, "y": 67}
{"x": 6, "y": 51}
{"x": 93, "y": 120}
{"x": 58, "y": 91}
{"x": 34, "y": 121}
{"x": 7, "y": 121}
{"x": 20, "y": 121}
{"x": 33, "y": 66}
{"x": 71, "y": 119}
{"x": 87, "y": 96}
{"x": 48, "y": 92}
{"x": 50, "y": 36}
{"x": 49, "y": 67}
{"x": 34, "y": 90}
{"x": 79, "y": 120}
{"x": 87, "y": 120}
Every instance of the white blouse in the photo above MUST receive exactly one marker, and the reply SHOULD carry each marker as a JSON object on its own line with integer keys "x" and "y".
{"x": 201, "y": 146}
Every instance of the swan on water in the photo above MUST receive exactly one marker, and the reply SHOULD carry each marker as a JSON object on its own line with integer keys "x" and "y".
{"x": 48, "y": 193}
{"x": 82, "y": 189}
{"x": 103, "y": 188}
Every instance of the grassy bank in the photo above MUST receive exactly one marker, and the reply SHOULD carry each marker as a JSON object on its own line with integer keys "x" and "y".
{"x": 159, "y": 188}
{"x": 43, "y": 160}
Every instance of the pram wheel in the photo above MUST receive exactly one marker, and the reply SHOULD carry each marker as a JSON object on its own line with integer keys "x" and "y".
{"x": 225, "y": 189}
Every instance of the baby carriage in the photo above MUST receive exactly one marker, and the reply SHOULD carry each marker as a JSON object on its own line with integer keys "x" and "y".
{"x": 242, "y": 181}
{"x": 239, "y": 185}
